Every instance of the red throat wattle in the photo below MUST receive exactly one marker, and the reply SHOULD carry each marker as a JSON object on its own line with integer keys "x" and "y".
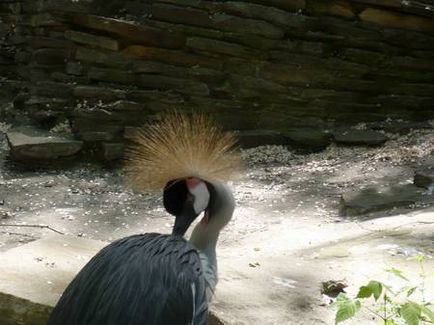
{"x": 192, "y": 182}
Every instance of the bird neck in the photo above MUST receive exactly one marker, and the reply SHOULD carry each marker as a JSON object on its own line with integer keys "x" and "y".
{"x": 205, "y": 235}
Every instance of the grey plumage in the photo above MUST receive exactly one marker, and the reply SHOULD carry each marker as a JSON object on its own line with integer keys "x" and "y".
{"x": 148, "y": 279}
{"x": 157, "y": 279}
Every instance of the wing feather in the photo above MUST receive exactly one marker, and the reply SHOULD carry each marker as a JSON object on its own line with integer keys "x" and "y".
{"x": 138, "y": 280}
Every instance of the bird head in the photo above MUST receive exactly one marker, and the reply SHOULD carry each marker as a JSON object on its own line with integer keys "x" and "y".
{"x": 186, "y": 199}
{"x": 187, "y": 155}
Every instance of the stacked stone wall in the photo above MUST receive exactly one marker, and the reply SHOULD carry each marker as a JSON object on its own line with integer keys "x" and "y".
{"x": 108, "y": 66}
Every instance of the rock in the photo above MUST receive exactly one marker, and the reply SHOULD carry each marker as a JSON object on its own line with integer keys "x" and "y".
{"x": 74, "y": 68}
{"x": 98, "y": 93}
{"x": 51, "y": 56}
{"x": 97, "y": 136}
{"x": 130, "y": 133}
{"x": 52, "y": 90}
{"x": 181, "y": 15}
{"x": 112, "y": 151}
{"x": 43, "y": 103}
{"x": 28, "y": 287}
{"x": 256, "y": 11}
{"x": 255, "y": 138}
{"x": 397, "y": 20}
{"x": 173, "y": 57}
{"x": 249, "y": 26}
{"x": 184, "y": 86}
{"x": 106, "y": 58}
{"x": 308, "y": 139}
{"x": 38, "y": 42}
{"x": 43, "y": 20}
{"x": 139, "y": 34}
{"x": 400, "y": 127}
{"x": 30, "y": 144}
{"x": 424, "y": 179}
{"x": 111, "y": 75}
{"x": 359, "y": 137}
{"x": 92, "y": 40}
{"x": 334, "y": 8}
{"x": 15, "y": 310}
{"x": 290, "y": 5}
{"x": 155, "y": 67}
{"x": 333, "y": 288}
{"x": 197, "y": 17}
{"x": 226, "y": 48}
{"x": 251, "y": 40}
{"x": 374, "y": 199}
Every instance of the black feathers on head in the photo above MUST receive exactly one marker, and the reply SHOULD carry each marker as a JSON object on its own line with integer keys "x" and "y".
{"x": 174, "y": 196}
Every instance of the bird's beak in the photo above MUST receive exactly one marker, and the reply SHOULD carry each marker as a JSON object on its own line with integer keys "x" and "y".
{"x": 183, "y": 222}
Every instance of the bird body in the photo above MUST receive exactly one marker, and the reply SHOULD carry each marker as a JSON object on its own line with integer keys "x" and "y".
{"x": 155, "y": 279}
{"x": 163, "y": 269}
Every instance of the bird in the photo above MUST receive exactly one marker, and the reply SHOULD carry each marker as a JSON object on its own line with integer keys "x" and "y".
{"x": 163, "y": 279}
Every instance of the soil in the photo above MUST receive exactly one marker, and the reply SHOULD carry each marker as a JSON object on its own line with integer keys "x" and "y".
{"x": 287, "y": 235}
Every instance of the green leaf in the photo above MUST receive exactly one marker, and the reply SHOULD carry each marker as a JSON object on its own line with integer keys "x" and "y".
{"x": 398, "y": 273}
{"x": 428, "y": 313}
{"x": 388, "y": 322}
{"x": 411, "y": 313}
{"x": 420, "y": 258}
{"x": 374, "y": 288}
{"x": 411, "y": 291}
{"x": 347, "y": 309}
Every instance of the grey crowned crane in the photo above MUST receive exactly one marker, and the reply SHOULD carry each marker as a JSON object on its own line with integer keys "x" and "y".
{"x": 151, "y": 278}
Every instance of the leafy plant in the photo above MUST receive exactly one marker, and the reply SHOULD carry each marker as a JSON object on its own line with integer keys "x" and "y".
{"x": 391, "y": 307}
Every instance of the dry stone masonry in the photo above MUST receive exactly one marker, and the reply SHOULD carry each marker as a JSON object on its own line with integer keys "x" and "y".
{"x": 261, "y": 67}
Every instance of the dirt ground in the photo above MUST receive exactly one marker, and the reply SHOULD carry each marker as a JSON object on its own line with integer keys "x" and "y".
{"x": 287, "y": 235}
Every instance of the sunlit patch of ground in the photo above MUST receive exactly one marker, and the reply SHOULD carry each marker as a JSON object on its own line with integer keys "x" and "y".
{"x": 286, "y": 237}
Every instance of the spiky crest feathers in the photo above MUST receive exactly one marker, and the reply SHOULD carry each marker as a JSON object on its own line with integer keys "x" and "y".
{"x": 181, "y": 145}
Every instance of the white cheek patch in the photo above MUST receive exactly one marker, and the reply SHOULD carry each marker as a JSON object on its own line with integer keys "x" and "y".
{"x": 201, "y": 197}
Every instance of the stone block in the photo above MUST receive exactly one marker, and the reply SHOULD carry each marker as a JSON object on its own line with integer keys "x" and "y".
{"x": 400, "y": 126}
{"x": 139, "y": 34}
{"x": 29, "y": 144}
{"x": 392, "y": 19}
{"x": 38, "y": 42}
{"x": 340, "y": 8}
{"x": 52, "y": 90}
{"x": 374, "y": 199}
{"x": 359, "y": 137}
{"x": 181, "y": 15}
{"x": 92, "y": 40}
{"x": 289, "y": 5}
{"x": 97, "y": 136}
{"x": 173, "y": 57}
{"x": 44, "y": 20}
{"x": 308, "y": 139}
{"x": 154, "y": 67}
{"x": 245, "y": 25}
{"x": 424, "y": 179}
{"x": 98, "y": 93}
{"x": 106, "y": 58}
{"x": 221, "y": 47}
{"x": 33, "y": 277}
{"x": 51, "y": 56}
{"x": 112, "y": 151}
{"x": 256, "y": 11}
{"x": 111, "y": 75}
{"x": 74, "y": 68}
{"x": 184, "y": 86}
